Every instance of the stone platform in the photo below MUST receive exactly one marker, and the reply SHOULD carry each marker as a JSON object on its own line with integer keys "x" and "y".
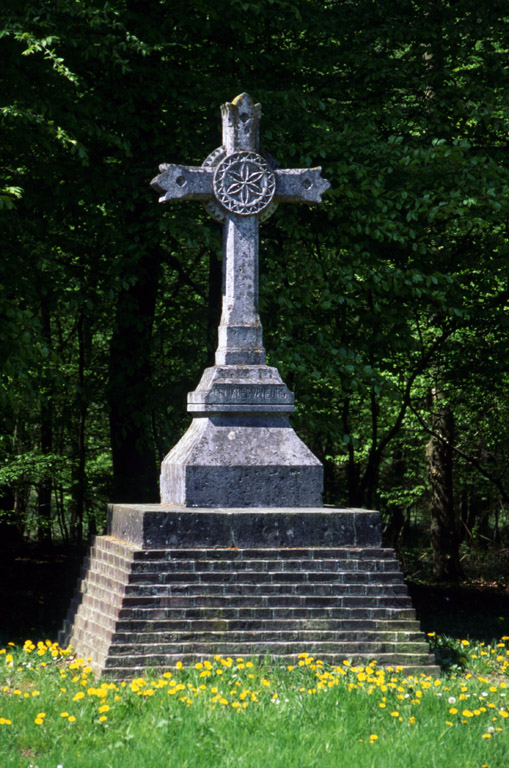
{"x": 174, "y": 584}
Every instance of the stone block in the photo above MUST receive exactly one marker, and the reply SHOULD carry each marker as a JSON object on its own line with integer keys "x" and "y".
{"x": 241, "y": 460}
{"x": 161, "y": 525}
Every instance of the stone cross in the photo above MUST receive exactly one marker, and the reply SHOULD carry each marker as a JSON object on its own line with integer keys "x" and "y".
{"x": 240, "y": 186}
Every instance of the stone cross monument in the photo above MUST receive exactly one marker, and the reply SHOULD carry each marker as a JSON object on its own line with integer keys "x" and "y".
{"x": 240, "y": 557}
{"x": 240, "y": 450}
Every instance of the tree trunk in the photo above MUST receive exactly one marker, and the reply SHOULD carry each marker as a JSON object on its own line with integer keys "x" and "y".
{"x": 79, "y": 464}
{"x": 444, "y": 523}
{"x": 132, "y": 443}
{"x": 44, "y": 488}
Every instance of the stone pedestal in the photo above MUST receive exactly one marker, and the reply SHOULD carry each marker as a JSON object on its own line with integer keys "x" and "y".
{"x": 240, "y": 450}
{"x": 172, "y": 584}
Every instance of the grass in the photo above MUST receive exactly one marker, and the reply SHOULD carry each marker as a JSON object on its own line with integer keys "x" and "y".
{"x": 255, "y": 714}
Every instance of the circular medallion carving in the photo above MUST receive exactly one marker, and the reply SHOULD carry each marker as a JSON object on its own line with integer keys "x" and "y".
{"x": 244, "y": 183}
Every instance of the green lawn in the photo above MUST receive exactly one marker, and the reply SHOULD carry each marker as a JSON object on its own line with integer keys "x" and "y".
{"x": 255, "y": 714}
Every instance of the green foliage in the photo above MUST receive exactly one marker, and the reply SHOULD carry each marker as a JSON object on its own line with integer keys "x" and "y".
{"x": 240, "y": 712}
{"x": 396, "y": 285}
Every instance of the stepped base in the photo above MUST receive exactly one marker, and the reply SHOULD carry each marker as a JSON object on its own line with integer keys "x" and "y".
{"x": 173, "y": 584}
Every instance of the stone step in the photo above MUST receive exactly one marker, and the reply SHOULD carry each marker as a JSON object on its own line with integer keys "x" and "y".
{"x": 284, "y": 600}
{"x": 410, "y": 656}
{"x": 261, "y": 634}
{"x": 336, "y": 591}
{"x": 99, "y": 585}
{"x": 261, "y": 613}
{"x": 243, "y": 608}
{"x": 272, "y": 576}
{"x": 327, "y": 652}
{"x": 127, "y": 550}
{"x": 410, "y": 669}
{"x": 214, "y": 583}
{"x": 100, "y": 629}
{"x": 230, "y": 573}
{"x": 255, "y": 646}
{"x": 283, "y": 625}
{"x": 322, "y": 562}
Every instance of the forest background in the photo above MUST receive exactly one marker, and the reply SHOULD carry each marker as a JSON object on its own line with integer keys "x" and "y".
{"x": 385, "y": 309}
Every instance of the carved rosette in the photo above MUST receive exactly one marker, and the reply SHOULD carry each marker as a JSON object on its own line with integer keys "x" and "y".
{"x": 244, "y": 183}
{"x": 264, "y": 163}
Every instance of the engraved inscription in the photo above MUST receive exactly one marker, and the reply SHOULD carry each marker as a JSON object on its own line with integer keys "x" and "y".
{"x": 246, "y": 394}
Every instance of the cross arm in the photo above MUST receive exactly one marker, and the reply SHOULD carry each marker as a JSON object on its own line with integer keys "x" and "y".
{"x": 183, "y": 182}
{"x": 300, "y": 185}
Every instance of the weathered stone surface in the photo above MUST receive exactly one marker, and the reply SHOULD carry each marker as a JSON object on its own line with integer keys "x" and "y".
{"x": 240, "y": 187}
{"x": 159, "y": 525}
{"x": 283, "y": 601}
{"x": 241, "y": 460}
{"x": 241, "y": 389}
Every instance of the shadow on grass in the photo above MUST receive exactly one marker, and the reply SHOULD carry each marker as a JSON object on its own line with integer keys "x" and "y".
{"x": 36, "y": 591}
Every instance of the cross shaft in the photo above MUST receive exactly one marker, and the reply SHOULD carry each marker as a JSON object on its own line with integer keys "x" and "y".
{"x": 239, "y": 187}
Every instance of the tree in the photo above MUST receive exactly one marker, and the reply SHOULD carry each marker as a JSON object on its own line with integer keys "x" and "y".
{"x": 361, "y": 299}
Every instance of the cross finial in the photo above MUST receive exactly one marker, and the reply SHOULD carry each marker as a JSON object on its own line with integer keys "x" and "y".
{"x": 240, "y": 187}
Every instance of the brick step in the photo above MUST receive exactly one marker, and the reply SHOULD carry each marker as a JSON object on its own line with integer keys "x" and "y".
{"x": 317, "y": 564}
{"x": 410, "y": 668}
{"x": 325, "y": 651}
{"x": 321, "y": 562}
{"x": 102, "y": 632}
{"x": 231, "y": 589}
{"x": 232, "y": 583}
{"x": 124, "y": 549}
{"x": 283, "y": 625}
{"x": 263, "y": 570}
{"x": 264, "y": 601}
{"x": 274, "y": 576}
{"x": 120, "y": 578}
{"x": 262, "y": 634}
{"x": 96, "y": 581}
{"x": 98, "y": 648}
{"x": 261, "y": 613}
{"x": 246, "y": 609}
{"x": 260, "y": 645}
{"x": 180, "y": 595}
